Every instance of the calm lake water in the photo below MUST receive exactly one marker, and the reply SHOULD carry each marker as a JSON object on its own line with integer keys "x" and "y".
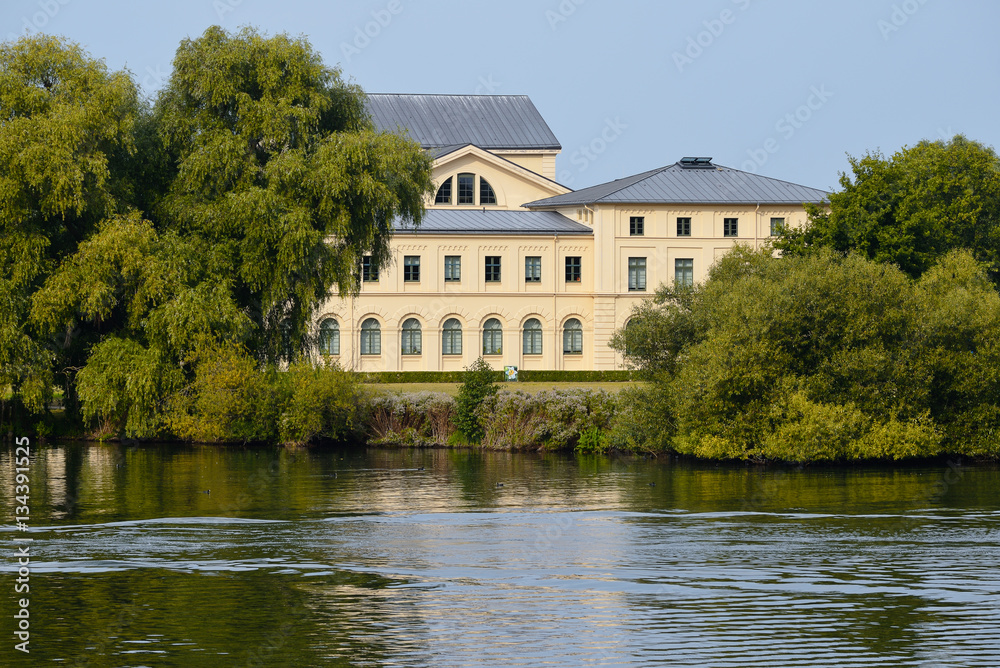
{"x": 207, "y": 556}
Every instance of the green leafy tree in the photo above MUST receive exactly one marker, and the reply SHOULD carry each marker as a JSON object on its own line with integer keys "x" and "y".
{"x": 263, "y": 183}
{"x": 281, "y": 173}
{"x": 147, "y": 294}
{"x": 822, "y": 357}
{"x": 912, "y": 208}
{"x": 66, "y": 147}
{"x": 478, "y": 384}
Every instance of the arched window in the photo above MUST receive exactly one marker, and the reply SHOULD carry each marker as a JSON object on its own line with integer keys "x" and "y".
{"x": 492, "y": 337}
{"x": 486, "y": 194}
{"x": 444, "y": 193}
{"x": 573, "y": 337}
{"x": 630, "y": 333}
{"x": 533, "y": 337}
{"x": 329, "y": 337}
{"x": 451, "y": 338}
{"x": 466, "y": 188}
{"x": 411, "y": 337}
{"x": 371, "y": 337}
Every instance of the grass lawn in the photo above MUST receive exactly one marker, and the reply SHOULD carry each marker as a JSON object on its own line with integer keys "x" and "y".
{"x": 531, "y": 388}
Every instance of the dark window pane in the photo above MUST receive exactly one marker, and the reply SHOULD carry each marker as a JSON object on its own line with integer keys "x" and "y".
{"x": 411, "y": 268}
{"x": 486, "y": 194}
{"x": 573, "y": 271}
{"x": 444, "y": 193}
{"x": 369, "y": 272}
{"x": 466, "y": 188}
{"x": 492, "y": 268}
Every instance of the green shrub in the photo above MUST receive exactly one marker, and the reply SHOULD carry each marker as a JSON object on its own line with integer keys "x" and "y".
{"x": 400, "y": 377}
{"x": 230, "y": 399}
{"x": 643, "y": 420}
{"x": 528, "y": 376}
{"x": 478, "y": 383}
{"x": 592, "y": 440}
{"x": 320, "y": 402}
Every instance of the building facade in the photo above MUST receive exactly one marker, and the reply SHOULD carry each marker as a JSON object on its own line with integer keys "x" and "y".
{"x": 513, "y": 266}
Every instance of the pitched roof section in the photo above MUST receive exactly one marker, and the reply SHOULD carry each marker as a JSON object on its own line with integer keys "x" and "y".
{"x": 493, "y": 122}
{"x": 494, "y": 221}
{"x": 676, "y": 184}
{"x": 441, "y": 151}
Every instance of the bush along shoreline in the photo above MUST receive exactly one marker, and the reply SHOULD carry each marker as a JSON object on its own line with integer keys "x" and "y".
{"x": 231, "y": 402}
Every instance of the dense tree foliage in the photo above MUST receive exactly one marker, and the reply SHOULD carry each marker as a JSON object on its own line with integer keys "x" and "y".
{"x": 821, "y": 357}
{"x": 275, "y": 157}
{"x": 139, "y": 241}
{"x": 66, "y": 140}
{"x": 912, "y": 208}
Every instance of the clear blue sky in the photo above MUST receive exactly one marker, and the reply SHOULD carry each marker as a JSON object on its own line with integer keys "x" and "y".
{"x": 786, "y": 88}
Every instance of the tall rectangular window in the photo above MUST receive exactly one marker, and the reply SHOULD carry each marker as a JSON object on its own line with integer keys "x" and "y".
{"x": 466, "y": 188}
{"x": 636, "y": 273}
{"x": 492, "y": 268}
{"x": 369, "y": 272}
{"x": 730, "y": 227}
{"x": 411, "y": 268}
{"x": 573, "y": 266}
{"x": 452, "y": 268}
{"x": 683, "y": 272}
{"x": 683, "y": 227}
{"x": 636, "y": 226}
{"x": 532, "y": 269}
{"x": 777, "y": 226}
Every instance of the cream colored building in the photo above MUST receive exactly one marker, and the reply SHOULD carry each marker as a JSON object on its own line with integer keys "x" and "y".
{"x": 513, "y": 266}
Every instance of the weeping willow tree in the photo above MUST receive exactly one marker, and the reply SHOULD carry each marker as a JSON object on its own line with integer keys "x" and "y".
{"x": 66, "y": 137}
{"x": 256, "y": 184}
{"x": 283, "y": 176}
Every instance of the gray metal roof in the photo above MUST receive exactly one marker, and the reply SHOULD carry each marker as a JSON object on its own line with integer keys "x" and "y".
{"x": 675, "y": 184}
{"x": 438, "y": 151}
{"x": 494, "y": 221}
{"x": 492, "y": 122}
